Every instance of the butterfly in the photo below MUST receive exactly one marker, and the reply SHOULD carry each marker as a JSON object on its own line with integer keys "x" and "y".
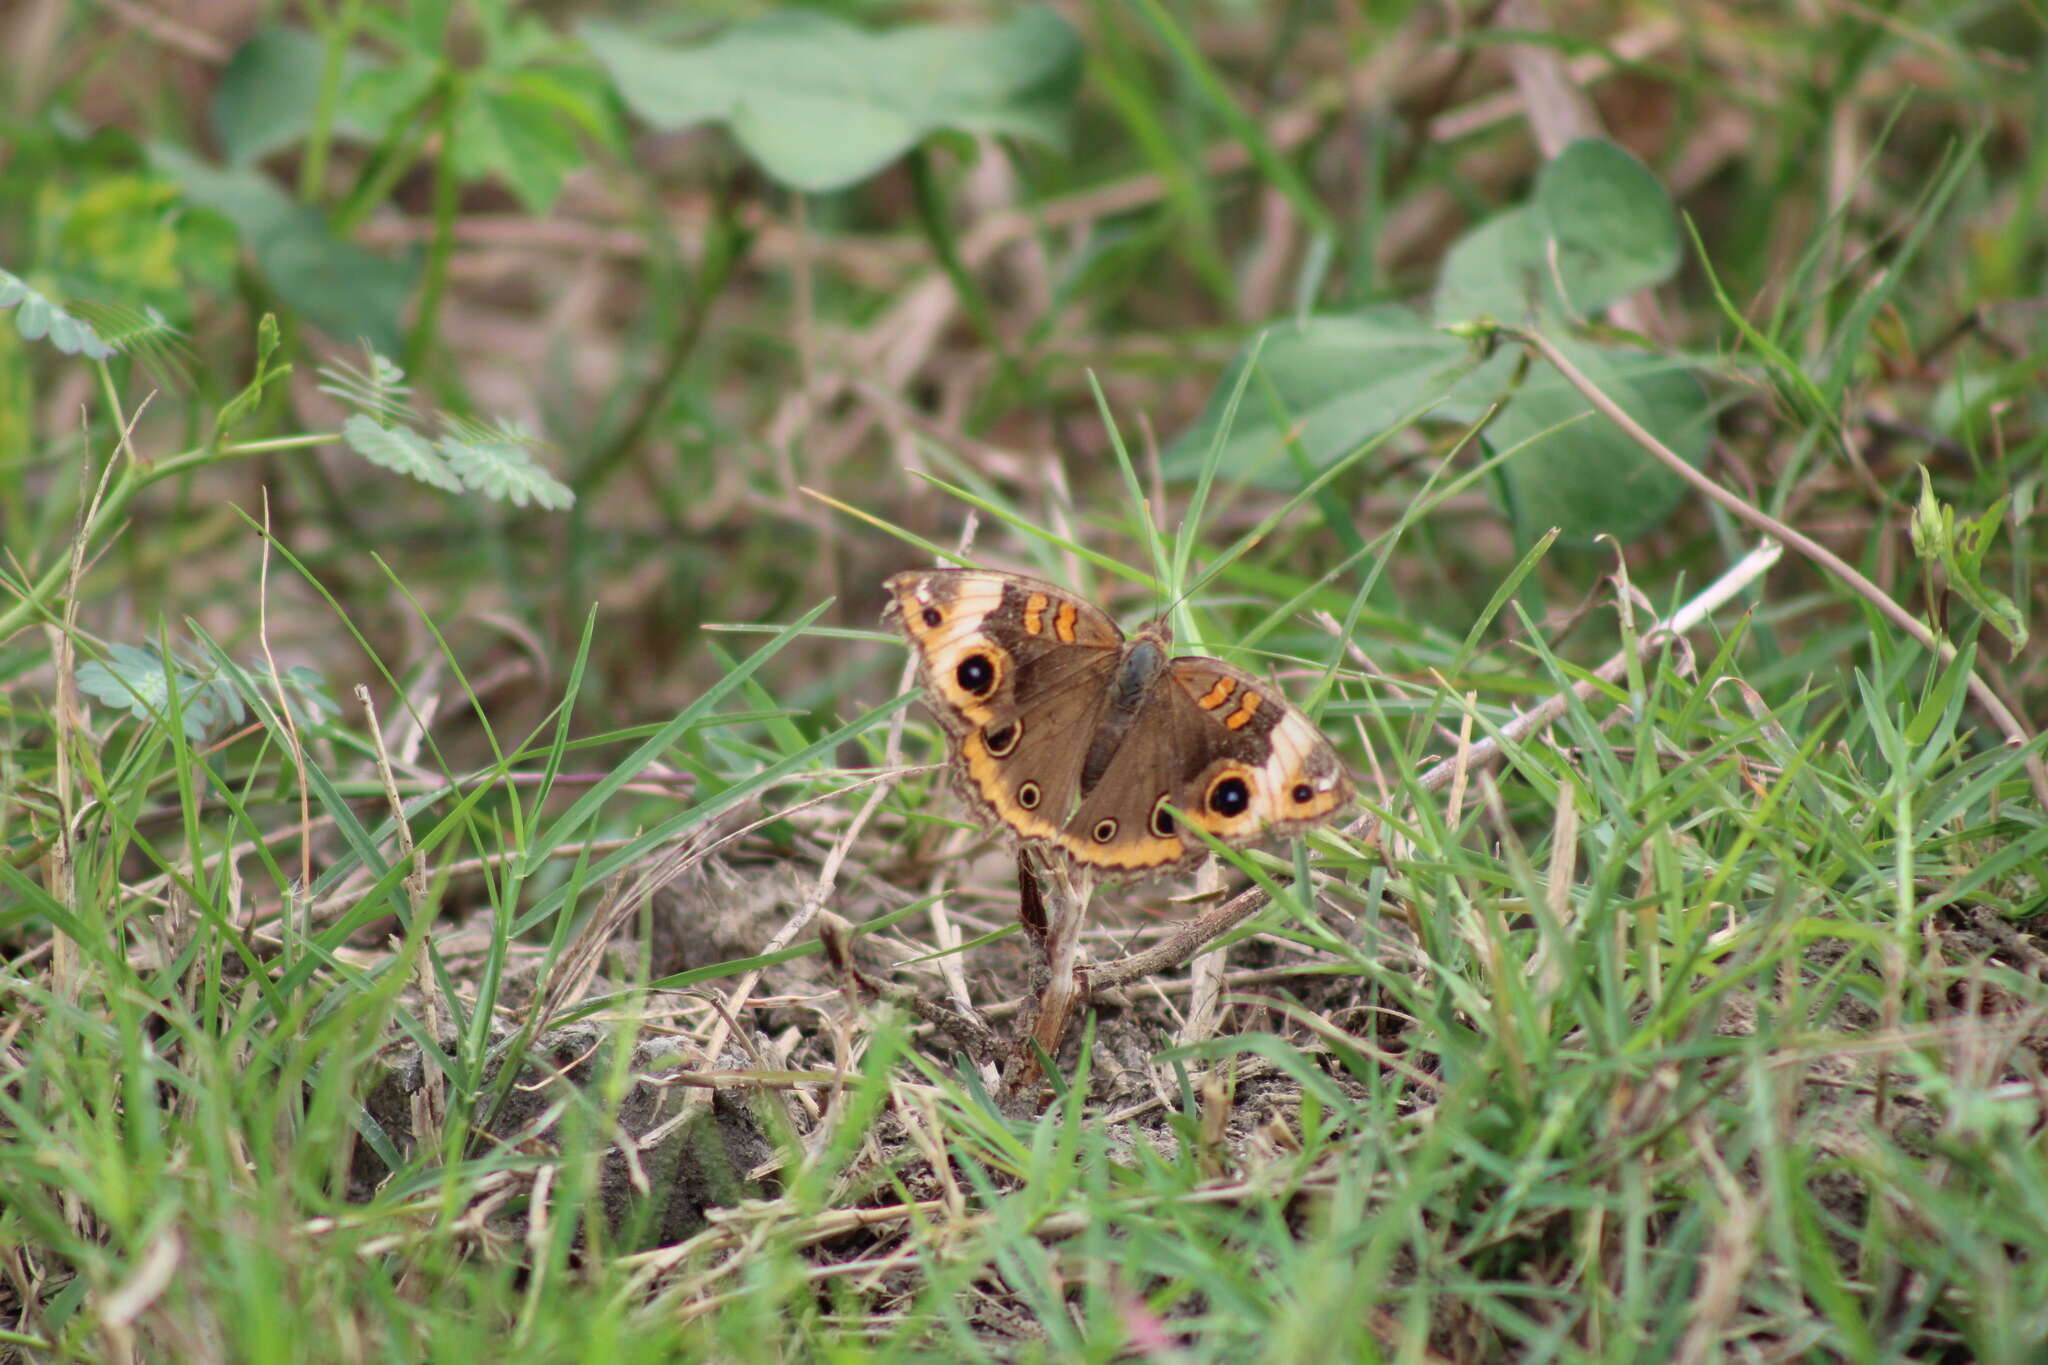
{"x": 1104, "y": 746}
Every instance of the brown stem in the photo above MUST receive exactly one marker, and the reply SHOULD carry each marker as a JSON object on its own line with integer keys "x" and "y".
{"x": 1190, "y": 937}
{"x": 837, "y": 937}
{"x": 1993, "y": 705}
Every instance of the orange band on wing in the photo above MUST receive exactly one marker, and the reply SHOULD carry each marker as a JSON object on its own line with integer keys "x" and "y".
{"x": 1137, "y": 855}
{"x": 1034, "y": 613}
{"x": 1242, "y": 716}
{"x": 1218, "y": 694}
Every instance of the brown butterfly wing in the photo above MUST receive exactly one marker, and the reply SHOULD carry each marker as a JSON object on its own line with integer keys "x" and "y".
{"x": 1017, "y": 671}
{"x": 1223, "y": 748}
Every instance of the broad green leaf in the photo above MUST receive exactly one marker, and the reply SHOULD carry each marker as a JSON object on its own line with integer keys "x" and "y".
{"x": 1496, "y": 271}
{"x": 1331, "y": 382}
{"x": 821, "y": 104}
{"x": 345, "y": 291}
{"x": 381, "y": 95}
{"x": 1614, "y": 225}
{"x": 1602, "y": 227}
{"x": 519, "y": 139}
{"x": 1613, "y": 228}
{"x": 1577, "y": 472}
{"x": 520, "y": 115}
{"x": 267, "y": 91}
{"x": 1964, "y": 399}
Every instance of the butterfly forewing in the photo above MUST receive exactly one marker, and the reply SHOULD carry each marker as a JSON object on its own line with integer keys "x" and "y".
{"x": 1016, "y": 669}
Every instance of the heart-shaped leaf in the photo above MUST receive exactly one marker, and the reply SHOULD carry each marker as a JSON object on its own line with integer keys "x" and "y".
{"x": 821, "y": 104}
{"x": 1615, "y": 228}
{"x": 1574, "y": 469}
{"x": 1331, "y": 383}
{"x": 1600, "y": 226}
{"x": 267, "y": 91}
{"x": 347, "y": 292}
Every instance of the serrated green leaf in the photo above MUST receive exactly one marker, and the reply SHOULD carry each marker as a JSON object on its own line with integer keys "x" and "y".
{"x": 37, "y": 318}
{"x": 522, "y": 141}
{"x": 400, "y": 450}
{"x": 135, "y": 680}
{"x": 384, "y": 95}
{"x": 499, "y": 464}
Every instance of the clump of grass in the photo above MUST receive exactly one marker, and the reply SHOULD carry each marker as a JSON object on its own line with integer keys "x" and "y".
{"x": 403, "y": 959}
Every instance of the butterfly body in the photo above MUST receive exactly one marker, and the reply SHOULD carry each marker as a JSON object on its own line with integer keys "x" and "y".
{"x": 1101, "y": 746}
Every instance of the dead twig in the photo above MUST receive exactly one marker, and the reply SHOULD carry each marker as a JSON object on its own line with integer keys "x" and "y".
{"x": 836, "y": 935}
{"x": 1993, "y": 705}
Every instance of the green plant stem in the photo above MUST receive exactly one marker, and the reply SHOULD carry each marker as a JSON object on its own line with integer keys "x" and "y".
{"x": 447, "y": 194}
{"x": 392, "y": 159}
{"x": 726, "y": 242}
{"x": 336, "y": 32}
